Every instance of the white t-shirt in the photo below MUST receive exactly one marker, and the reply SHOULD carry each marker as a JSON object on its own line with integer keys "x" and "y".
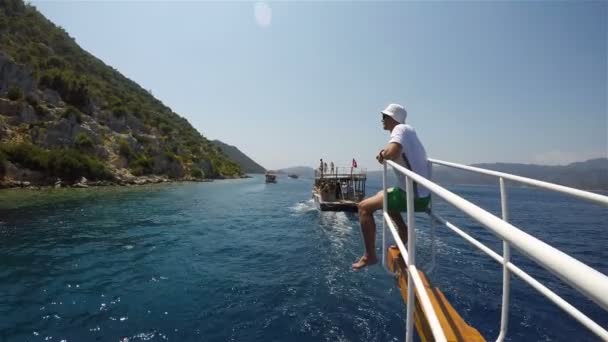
{"x": 412, "y": 148}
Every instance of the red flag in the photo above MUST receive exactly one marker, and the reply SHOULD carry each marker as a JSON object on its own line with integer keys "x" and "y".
{"x": 354, "y": 163}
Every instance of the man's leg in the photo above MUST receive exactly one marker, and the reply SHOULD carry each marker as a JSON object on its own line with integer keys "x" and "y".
{"x": 401, "y": 226}
{"x": 368, "y": 229}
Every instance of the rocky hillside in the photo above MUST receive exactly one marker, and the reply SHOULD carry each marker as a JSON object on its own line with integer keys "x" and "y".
{"x": 246, "y": 164}
{"x": 64, "y": 114}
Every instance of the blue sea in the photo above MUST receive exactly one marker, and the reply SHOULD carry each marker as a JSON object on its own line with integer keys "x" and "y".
{"x": 240, "y": 260}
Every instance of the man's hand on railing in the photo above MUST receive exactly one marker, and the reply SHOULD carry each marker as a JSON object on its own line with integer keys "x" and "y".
{"x": 380, "y": 157}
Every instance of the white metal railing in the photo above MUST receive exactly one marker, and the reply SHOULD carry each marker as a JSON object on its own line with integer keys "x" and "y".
{"x": 591, "y": 283}
{"x": 585, "y": 195}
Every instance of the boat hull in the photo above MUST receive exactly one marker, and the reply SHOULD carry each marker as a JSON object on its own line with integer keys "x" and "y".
{"x": 271, "y": 178}
{"x": 333, "y": 206}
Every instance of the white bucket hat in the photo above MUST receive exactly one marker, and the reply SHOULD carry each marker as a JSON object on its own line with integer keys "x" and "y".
{"x": 395, "y": 111}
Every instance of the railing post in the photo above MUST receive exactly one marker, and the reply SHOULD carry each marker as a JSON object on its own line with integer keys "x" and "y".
{"x": 411, "y": 253}
{"x": 506, "y": 275}
{"x": 384, "y": 208}
{"x": 433, "y": 245}
{"x": 432, "y": 223}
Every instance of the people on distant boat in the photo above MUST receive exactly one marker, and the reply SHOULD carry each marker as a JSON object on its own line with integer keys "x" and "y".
{"x": 404, "y": 148}
{"x": 331, "y": 166}
{"x": 327, "y": 191}
{"x": 325, "y": 166}
{"x": 321, "y": 166}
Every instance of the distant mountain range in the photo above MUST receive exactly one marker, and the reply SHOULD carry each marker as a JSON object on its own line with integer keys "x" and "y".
{"x": 590, "y": 174}
{"x": 246, "y": 164}
{"x": 301, "y": 171}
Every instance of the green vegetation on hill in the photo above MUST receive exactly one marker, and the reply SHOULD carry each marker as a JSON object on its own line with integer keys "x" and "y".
{"x": 246, "y": 164}
{"x": 68, "y": 164}
{"x": 93, "y": 96}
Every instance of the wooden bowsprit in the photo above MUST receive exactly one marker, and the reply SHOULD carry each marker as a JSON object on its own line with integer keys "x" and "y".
{"x": 454, "y": 327}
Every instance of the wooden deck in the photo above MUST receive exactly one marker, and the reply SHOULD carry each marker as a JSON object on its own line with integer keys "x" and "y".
{"x": 454, "y": 327}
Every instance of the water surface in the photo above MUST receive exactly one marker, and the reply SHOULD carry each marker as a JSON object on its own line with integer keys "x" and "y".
{"x": 240, "y": 260}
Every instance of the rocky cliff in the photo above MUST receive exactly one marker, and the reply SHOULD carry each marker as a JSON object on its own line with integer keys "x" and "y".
{"x": 65, "y": 115}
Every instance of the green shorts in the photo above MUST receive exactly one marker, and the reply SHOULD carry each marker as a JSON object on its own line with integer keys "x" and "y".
{"x": 397, "y": 201}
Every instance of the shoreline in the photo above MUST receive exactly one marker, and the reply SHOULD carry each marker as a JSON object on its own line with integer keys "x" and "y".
{"x": 85, "y": 184}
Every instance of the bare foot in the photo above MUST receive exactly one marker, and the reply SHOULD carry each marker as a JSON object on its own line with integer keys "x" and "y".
{"x": 364, "y": 261}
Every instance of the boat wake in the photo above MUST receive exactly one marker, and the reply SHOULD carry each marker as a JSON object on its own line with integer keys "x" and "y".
{"x": 338, "y": 221}
{"x": 303, "y": 207}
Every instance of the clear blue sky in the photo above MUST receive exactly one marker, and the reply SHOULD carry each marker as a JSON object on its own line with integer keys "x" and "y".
{"x": 482, "y": 81}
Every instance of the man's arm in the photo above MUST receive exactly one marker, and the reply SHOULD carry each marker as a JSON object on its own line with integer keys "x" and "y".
{"x": 391, "y": 152}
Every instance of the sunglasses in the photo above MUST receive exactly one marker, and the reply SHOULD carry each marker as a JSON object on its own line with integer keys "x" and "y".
{"x": 384, "y": 117}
